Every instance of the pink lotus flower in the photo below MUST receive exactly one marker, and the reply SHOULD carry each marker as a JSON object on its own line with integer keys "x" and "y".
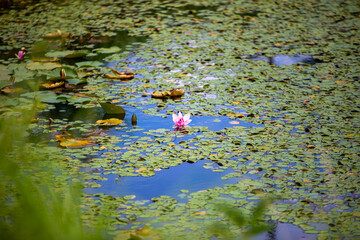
{"x": 181, "y": 121}
{"x": 20, "y": 55}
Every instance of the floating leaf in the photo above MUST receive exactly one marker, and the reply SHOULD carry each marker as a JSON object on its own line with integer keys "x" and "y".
{"x": 129, "y": 197}
{"x": 67, "y": 54}
{"x": 157, "y": 94}
{"x": 45, "y": 59}
{"x": 172, "y": 93}
{"x": 42, "y": 65}
{"x": 112, "y": 49}
{"x": 4, "y": 76}
{"x": 10, "y": 90}
{"x": 75, "y": 81}
{"x": 120, "y": 75}
{"x": 110, "y": 108}
{"x": 76, "y": 54}
{"x": 109, "y": 122}
{"x": 56, "y": 74}
{"x": 45, "y": 96}
{"x": 52, "y": 85}
{"x": 177, "y": 93}
{"x": 57, "y": 34}
{"x": 200, "y": 213}
{"x": 65, "y": 140}
{"x": 83, "y": 73}
{"x": 76, "y": 143}
{"x": 89, "y": 64}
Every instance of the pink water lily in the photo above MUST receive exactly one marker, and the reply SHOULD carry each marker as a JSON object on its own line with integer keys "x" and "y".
{"x": 181, "y": 121}
{"x": 20, "y": 55}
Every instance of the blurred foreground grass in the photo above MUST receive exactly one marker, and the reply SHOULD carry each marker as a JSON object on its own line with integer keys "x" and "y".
{"x": 31, "y": 205}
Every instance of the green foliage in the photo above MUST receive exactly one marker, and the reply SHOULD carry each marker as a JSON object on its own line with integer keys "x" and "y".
{"x": 31, "y": 206}
{"x": 253, "y": 222}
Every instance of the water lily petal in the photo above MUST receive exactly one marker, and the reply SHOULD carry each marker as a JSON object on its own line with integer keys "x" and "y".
{"x": 187, "y": 117}
{"x": 175, "y": 118}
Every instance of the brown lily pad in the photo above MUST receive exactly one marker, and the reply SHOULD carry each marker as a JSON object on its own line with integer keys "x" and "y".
{"x": 120, "y": 75}
{"x": 52, "y": 85}
{"x": 172, "y": 93}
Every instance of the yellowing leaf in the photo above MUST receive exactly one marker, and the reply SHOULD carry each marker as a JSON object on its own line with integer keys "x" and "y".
{"x": 53, "y": 35}
{"x": 157, "y": 94}
{"x": 234, "y": 122}
{"x": 200, "y": 213}
{"x": 129, "y": 197}
{"x": 51, "y": 85}
{"x": 177, "y": 93}
{"x": 76, "y": 143}
{"x": 120, "y": 75}
{"x": 9, "y": 90}
{"x": 54, "y": 59}
{"x": 109, "y": 122}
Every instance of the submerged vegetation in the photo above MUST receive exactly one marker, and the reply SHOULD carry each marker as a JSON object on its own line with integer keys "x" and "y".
{"x": 88, "y": 90}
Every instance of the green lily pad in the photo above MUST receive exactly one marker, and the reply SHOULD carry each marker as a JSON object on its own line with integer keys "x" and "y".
{"x": 110, "y": 108}
{"x": 89, "y": 64}
{"x": 55, "y": 74}
{"x": 76, "y": 81}
{"x": 42, "y": 65}
{"x": 4, "y": 76}
{"x": 112, "y": 49}
{"x": 44, "y": 96}
{"x": 67, "y": 54}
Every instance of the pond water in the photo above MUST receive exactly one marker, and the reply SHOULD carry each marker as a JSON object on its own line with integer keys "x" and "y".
{"x": 192, "y": 177}
{"x": 189, "y": 176}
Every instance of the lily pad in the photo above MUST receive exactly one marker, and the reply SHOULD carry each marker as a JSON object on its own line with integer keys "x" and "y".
{"x": 112, "y": 49}
{"x": 55, "y": 74}
{"x": 110, "y": 108}
{"x": 89, "y": 64}
{"x": 42, "y": 65}
{"x": 4, "y": 76}
{"x": 67, "y": 54}
{"x": 120, "y": 75}
{"x": 52, "y": 85}
{"x": 76, "y": 81}
{"x": 109, "y": 122}
{"x": 44, "y": 96}
{"x": 76, "y": 143}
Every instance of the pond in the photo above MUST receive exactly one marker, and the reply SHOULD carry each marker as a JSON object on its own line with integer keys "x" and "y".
{"x": 272, "y": 102}
{"x": 174, "y": 181}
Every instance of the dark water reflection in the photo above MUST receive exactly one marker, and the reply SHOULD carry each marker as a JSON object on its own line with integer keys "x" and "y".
{"x": 285, "y": 60}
